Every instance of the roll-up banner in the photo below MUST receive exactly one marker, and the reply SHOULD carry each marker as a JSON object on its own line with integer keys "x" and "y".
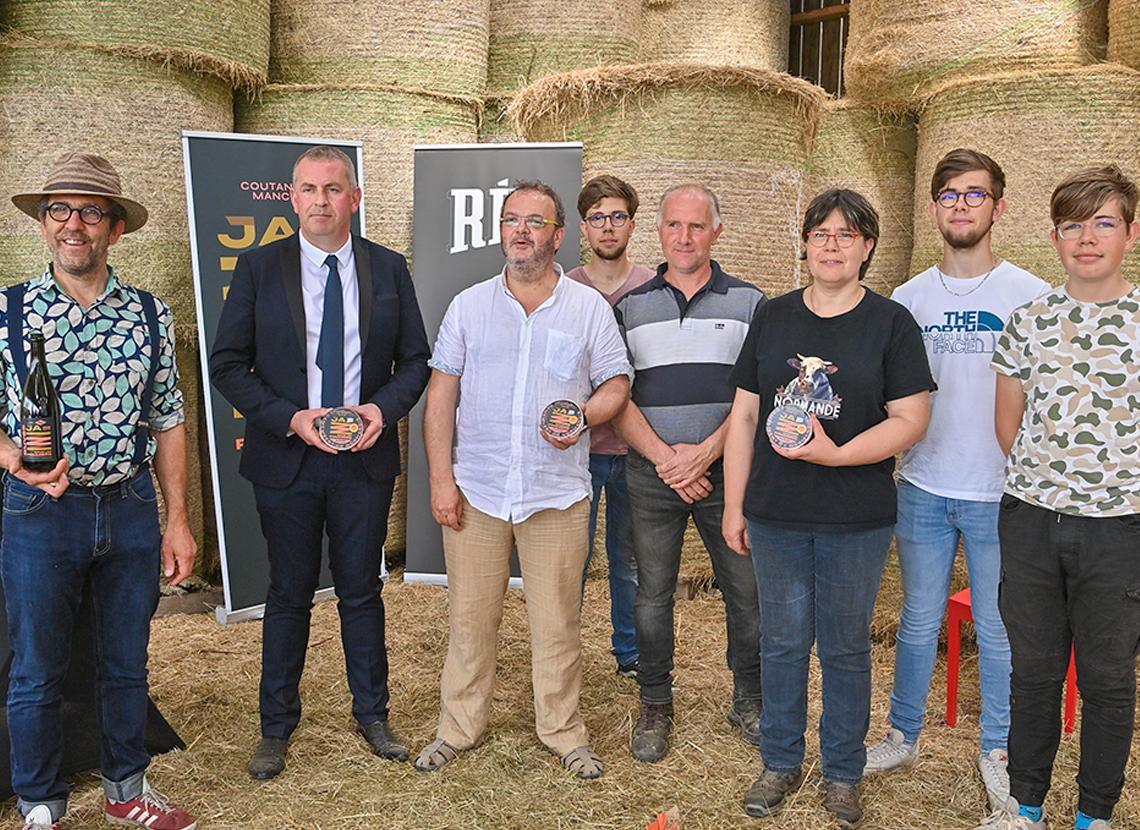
{"x": 459, "y": 193}
{"x": 238, "y": 195}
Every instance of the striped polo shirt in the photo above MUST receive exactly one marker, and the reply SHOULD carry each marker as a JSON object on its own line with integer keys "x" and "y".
{"x": 683, "y": 350}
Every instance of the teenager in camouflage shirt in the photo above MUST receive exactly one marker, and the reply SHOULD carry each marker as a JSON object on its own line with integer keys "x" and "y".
{"x": 1068, "y": 413}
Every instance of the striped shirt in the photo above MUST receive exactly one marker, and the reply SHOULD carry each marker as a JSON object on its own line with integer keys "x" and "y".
{"x": 683, "y": 350}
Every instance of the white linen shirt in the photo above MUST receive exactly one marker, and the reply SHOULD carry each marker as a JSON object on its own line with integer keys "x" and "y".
{"x": 314, "y": 275}
{"x": 510, "y": 367}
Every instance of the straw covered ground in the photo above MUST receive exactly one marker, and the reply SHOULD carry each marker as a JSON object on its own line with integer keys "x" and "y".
{"x": 204, "y": 679}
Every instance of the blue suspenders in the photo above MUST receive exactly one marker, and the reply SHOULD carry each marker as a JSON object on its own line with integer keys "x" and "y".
{"x": 15, "y": 294}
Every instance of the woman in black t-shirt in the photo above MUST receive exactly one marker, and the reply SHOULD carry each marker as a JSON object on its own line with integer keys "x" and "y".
{"x": 818, "y": 519}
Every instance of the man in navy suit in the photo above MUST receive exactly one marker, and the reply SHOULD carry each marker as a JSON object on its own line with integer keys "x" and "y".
{"x": 320, "y": 320}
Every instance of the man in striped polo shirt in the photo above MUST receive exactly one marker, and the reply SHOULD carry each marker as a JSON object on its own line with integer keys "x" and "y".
{"x": 684, "y": 329}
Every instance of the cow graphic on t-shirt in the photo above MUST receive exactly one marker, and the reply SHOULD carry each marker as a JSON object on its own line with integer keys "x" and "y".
{"x": 811, "y": 389}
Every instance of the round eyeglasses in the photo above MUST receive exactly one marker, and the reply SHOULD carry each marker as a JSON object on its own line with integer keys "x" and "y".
{"x": 88, "y": 214}
{"x": 1103, "y": 227}
{"x": 973, "y": 198}
{"x": 598, "y": 220}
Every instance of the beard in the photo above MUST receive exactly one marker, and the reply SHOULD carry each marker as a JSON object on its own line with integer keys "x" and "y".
{"x": 533, "y": 264}
{"x": 964, "y": 242}
{"x": 75, "y": 264}
{"x": 610, "y": 256}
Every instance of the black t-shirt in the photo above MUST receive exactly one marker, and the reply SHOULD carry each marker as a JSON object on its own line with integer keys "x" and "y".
{"x": 845, "y": 369}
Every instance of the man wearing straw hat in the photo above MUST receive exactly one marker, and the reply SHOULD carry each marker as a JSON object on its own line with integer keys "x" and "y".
{"x": 684, "y": 329}
{"x": 607, "y": 206}
{"x": 507, "y": 348}
{"x": 318, "y": 322}
{"x": 93, "y": 518}
{"x": 951, "y": 481}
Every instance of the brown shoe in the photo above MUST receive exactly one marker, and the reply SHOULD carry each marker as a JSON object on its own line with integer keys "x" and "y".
{"x": 768, "y": 792}
{"x": 383, "y": 741}
{"x": 651, "y": 734}
{"x": 842, "y": 801}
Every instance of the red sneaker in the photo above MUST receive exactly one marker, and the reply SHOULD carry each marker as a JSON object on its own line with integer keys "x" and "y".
{"x": 150, "y": 810}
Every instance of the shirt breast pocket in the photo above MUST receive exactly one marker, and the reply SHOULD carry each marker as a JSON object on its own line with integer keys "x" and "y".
{"x": 563, "y": 354}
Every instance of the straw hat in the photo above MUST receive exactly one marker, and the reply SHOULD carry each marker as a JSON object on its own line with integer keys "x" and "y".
{"x": 83, "y": 174}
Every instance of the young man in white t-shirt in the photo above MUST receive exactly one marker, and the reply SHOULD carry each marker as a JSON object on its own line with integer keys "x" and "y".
{"x": 950, "y": 483}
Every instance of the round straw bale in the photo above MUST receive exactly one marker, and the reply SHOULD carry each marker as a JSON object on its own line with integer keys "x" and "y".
{"x": 872, "y": 152}
{"x": 389, "y": 121}
{"x": 130, "y": 111}
{"x": 650, "y": 125}
{"x": 1124, "y": 32}
{"x": 1039, "y": 126}
{"x": 534, "y": 38}
{"x": 898, "y": 52}
{"x": 725, "y": 32}
{"x": 226, "y": 38}
{"x": 419, "y": 44}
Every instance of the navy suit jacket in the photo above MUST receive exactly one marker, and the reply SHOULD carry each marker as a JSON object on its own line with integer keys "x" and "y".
{"x": 258, "y": 359}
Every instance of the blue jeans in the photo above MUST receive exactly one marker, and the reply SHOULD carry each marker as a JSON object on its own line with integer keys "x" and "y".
{"x": 928, "y": 530}
{"x": 51, "y": 547}
{"x": 608, "y": 471}
{"x": 817, "y": 587}
{"x": 659, "y": 518}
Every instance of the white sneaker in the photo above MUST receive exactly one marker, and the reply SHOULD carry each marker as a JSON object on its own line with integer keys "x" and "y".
{"x": 39, "y": 818}
{"x": 891, "y": 753}
{"x": 1007, "y": 818}
{"x": 995, "y": 776}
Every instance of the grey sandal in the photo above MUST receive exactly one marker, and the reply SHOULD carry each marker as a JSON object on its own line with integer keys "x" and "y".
{"x": 584, "y": 763}
{"x": 435, "y": 756}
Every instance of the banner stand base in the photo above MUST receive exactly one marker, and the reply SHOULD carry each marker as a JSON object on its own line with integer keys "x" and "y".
{"x": 256, "y": 612}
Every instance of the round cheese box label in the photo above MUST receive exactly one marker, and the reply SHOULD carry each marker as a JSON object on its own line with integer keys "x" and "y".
{"x": 789, "y": 427}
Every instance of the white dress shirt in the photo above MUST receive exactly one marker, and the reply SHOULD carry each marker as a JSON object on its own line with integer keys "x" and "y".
{"x": 510, "y": 367}
{"x": 314, "y": 275}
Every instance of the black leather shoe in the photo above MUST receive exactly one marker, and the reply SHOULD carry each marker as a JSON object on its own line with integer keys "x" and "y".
{"x": 383, "y": 741}
{"x": 269, "y": 758}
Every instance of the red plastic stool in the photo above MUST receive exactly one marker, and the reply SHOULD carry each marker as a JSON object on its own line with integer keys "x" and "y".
{"x": 957, "y": 612}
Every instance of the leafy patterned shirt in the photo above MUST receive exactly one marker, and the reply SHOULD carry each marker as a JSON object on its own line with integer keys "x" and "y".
{"x": 1078, "y": 449}
{"x": 99, "y": 359}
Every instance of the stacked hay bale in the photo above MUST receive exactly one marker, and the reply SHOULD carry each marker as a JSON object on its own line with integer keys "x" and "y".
{"x": 1040, "y": 126}
{"x": 650, "y": 124}
{"x": 872, "y": 152}
{"x": 132, "y": 110}
{"x": 228, "y": 39}
{"x": 1124, "y": 32}
{"x": 726, "y": 32}
{"x": 421, "y": 44}
{"x": 899, "y": 52}
{"x": 390, "y": 75}
{"x": 531, "y": 39}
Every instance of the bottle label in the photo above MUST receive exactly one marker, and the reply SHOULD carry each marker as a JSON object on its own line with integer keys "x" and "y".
{"x": 36, "y": 438}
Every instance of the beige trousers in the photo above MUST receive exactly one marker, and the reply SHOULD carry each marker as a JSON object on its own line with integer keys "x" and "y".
{"x": 552, "y": 548}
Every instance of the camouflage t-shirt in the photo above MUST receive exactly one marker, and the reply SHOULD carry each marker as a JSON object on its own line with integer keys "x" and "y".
{"x": 1078, "y": 449}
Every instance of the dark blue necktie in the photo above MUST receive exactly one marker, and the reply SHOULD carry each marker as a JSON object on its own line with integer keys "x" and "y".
{"x": 330, "y": 347}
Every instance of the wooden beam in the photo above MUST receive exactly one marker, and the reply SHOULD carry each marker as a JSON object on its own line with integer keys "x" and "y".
{"x": 821, "y": 15}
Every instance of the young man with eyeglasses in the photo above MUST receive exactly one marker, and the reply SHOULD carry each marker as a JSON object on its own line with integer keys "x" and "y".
{"x": 1068, "y": 403}
{"x": 607, "y": 206}
{"x": 507, "y": 347}
{"x": 951, "y": 481}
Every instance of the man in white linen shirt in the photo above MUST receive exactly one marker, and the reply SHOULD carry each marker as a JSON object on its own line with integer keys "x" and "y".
{"x": 507, "y": 347}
